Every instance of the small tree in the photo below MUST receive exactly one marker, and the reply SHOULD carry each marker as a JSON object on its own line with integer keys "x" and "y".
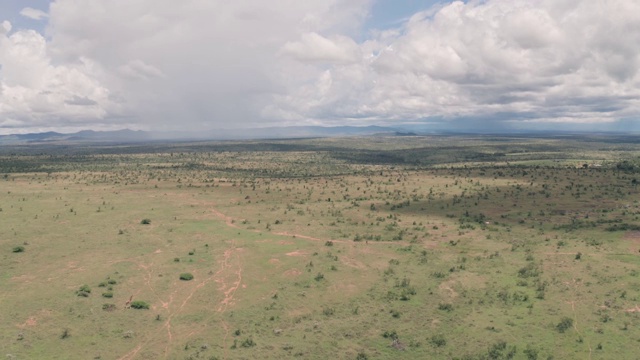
{"x": 138, "y": 304}
{"x": 186, "y": 276}
{"x": 84, "y": 291}
{"x": 564, "y": 324}
{"x": 438, "y": 340}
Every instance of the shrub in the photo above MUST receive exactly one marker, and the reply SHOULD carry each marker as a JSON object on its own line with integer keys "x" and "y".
{"x": 531, "y": 353}
{"x": 108, "y": 307}
{"x": 145, "y": 222}
{"x": 138, "y": 304}
{"x": 564, "y": 324}
{"x": 18, "y": 249}
{"x": 438, "y": 340}
{"x": 393, "y": 335}
{"x": 500, "y": 350}
{"x": 84, "y": 291}
{"x": 531, "y": 270}
{"x": 328, "y": 311}
{"x": 107, "y": 294}
{"x": 406, "y": 293}
{"x": 186, "y": 276}
{"x": 247, "y": 343}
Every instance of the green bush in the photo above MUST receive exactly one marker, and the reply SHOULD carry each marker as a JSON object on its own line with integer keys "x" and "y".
{"x": 145, "y": 222}
{"x": 138, "y": 304}
{"x": 247, "y": 343}
{"x": 84, "y": 291}
{"x": 390, "y": 335}
{"x": 18, "y": 249}
{"x": 107, "y": 294}
{"x": 438, "y": 340}
{"x": 186, "y": 276}
{"x": 564, "y": 324}
{"x": 531, "y": 353}
{"x": 328, "y": 311}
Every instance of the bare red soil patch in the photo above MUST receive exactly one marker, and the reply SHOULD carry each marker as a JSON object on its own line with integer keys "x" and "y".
{"x": 292, "y": 272}
{"x": 296, "y": 253}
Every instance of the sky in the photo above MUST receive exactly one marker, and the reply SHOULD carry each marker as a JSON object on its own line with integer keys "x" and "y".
{"x": 201, "y": 65}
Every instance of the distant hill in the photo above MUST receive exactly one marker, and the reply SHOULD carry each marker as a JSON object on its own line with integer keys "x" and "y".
{"x": 81, "y": 136}
{"x": 129, "y": 136}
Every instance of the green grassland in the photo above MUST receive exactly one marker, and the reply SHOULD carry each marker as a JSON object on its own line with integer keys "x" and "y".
{"x": 442, "y": 247}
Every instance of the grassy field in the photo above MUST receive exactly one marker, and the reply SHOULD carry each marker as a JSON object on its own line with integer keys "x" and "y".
{"x": 453, "y": 247}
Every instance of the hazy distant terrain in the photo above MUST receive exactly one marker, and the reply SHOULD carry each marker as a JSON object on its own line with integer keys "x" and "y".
{"x": 366, "y": 247}
{"x": 127, "y": 136}
{"x": 344, "y": 179}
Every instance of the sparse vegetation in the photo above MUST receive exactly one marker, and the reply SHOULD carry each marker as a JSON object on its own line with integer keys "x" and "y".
{"x": 186, "y": 276}
{"x": 108, "y": 307}
{"x": 438, "y": 340}
{"x": 506, "y": 247}
{"x": 84, "y": 291}
{"x": 565, "y": 324}
{"x": 139, "y": 304}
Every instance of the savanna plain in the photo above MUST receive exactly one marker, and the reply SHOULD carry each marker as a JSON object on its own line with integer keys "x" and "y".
{"x": 381, "y": 247}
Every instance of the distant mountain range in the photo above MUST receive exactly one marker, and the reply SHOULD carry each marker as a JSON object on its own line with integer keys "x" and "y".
{"x": 126, "y": 136}
{"x": 129, "y": 136}
{"x": 81, "y": 136}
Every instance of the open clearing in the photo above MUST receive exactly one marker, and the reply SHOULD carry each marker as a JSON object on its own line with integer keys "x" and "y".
{"x": 359, "y": 248}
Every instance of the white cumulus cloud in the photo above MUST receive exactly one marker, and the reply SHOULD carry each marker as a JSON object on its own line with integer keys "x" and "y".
{"x": 5, "y": 27}
{"x": 35, "y": 93}
{"x": 313, "y": 47}
{"x": 200, "y": 65}
{"x": 497, "y": 60}
{"x": 33, "y": 14}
